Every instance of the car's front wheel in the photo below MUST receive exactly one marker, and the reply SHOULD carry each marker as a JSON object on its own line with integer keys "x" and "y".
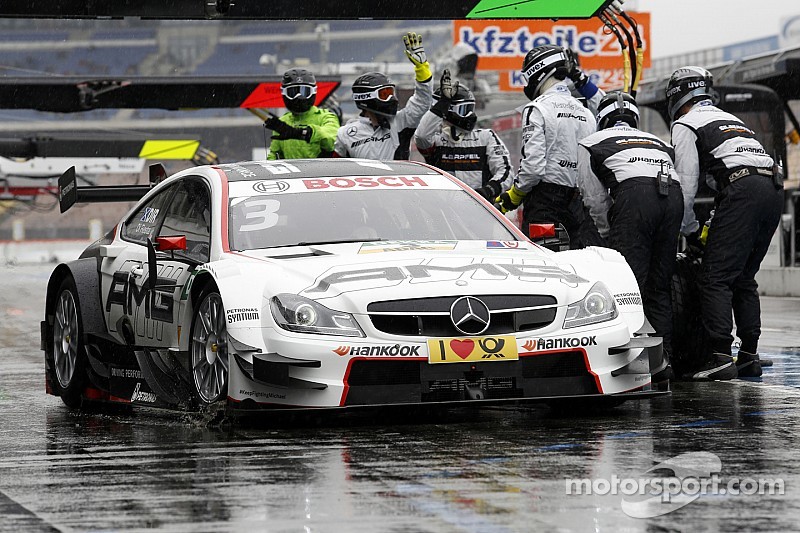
{"x": 210, "y": 349}
{"x": 67, "y": 353}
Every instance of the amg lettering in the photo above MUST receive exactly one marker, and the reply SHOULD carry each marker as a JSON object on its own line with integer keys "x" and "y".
{"x": 426, "y": 272}
{"x": 385, "y": 137}
{"x": 570, "y": 115}
{"x": 125, "y": 292}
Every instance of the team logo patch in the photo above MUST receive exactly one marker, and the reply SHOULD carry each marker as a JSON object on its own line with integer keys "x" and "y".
{"x": 351, "y": 131}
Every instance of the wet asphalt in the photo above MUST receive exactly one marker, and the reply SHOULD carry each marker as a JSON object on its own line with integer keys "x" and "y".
{"x": 496, "y": 469}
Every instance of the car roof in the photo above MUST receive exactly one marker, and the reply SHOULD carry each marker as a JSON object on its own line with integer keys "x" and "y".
{"x": 314, "y": 168}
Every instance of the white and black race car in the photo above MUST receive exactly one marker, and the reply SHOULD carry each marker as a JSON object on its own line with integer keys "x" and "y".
{"x": 334, "y": 283}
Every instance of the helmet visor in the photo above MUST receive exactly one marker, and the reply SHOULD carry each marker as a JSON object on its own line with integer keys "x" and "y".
{"x": 463, "y": 109}
{"x": 384, "y": 94}
{"x": 298, "y": 91}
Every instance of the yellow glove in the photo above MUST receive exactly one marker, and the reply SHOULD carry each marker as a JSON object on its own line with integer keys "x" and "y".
{"x": 509, "y": 200}
{"x": 416, "y": 54}
{"x": 704, "y": 235}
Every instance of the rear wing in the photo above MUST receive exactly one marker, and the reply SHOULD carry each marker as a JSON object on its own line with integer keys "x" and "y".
{"x": 69, "y": 193}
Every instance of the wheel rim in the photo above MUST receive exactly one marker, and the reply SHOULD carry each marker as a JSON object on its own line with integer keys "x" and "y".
{"x": 210, "y": 350}
{"x": 65, "y": 339}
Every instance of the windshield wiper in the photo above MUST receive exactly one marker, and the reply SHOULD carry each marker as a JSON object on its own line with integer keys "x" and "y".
{"x": 339, "y": 241}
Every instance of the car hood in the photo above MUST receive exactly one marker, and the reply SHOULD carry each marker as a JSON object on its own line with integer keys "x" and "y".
{"x": 348, "y": 277}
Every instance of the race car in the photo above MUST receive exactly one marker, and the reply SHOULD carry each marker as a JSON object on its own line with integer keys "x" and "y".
{"x": 334, "y": 283}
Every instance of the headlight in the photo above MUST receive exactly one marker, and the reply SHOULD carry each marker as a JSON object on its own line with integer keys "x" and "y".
{"x": 597, "y": 306}
{"x": 296, "y": 313}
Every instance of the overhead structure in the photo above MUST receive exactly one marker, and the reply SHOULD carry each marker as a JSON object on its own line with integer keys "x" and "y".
{"x": 71, "y": 94}
{"x": 764, "y": 83}
{"x": 304, "y": 9}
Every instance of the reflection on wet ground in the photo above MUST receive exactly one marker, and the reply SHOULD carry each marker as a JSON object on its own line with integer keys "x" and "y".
{"x": 498, "y": 469}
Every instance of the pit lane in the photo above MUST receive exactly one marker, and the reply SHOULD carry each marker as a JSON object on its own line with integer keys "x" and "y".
{"x": 497, "y": 469}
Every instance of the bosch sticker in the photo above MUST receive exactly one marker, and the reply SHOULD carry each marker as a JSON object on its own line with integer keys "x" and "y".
{"x": 364, "y": 181}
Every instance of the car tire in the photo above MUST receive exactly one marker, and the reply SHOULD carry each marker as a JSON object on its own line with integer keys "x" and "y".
{"x": 689, "y": 338}
{"x": 209, "y": 350}
{"x": 67, "y": 364}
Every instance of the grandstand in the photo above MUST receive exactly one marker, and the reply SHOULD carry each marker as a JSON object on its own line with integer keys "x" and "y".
{"x": 101, "y": 49}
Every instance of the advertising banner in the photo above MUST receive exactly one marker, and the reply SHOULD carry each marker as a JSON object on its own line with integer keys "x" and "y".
{"x": 501, "y": 45}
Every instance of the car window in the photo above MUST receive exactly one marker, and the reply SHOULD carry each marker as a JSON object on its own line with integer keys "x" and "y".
{"x": 288, "y": 219}
{"x": 143, "y": 224}
{"x": 189, "y": 214}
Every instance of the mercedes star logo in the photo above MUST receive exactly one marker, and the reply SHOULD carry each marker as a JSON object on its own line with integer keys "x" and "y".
{"x": 470, "y": 316}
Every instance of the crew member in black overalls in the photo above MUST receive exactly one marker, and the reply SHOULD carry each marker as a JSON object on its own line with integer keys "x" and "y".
{"x": 748, "y": 209}
{"x": 629, "y": 184}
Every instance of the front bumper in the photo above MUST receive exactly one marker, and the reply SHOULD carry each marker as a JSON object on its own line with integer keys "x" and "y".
{"x": 315, "y": 373}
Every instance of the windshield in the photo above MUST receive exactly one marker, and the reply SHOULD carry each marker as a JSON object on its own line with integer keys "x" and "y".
{"x": 268, "y": 221}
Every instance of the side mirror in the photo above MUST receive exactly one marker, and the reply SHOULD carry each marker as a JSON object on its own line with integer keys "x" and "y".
{"x": 157, "y": 174}
{"x": 166, "y": 244}
{"x": 551, "y": 236}
{"x": 162, "y": 244}
{"x": 541, "y": 231}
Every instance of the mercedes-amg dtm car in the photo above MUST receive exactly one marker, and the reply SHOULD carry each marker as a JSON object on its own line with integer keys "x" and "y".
{"x": 334, "y": 283}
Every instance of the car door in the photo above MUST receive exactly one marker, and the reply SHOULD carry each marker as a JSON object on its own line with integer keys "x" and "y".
{"x": 134, "y": 312}
{"x": 188, "y": 215}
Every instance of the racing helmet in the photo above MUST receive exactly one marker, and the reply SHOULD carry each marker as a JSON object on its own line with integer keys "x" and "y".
{"x": 617, "y": 106}
{"x": 461, "y": 112}
{"x": 299, "y": 90}
{"x": 687, "y": 85}
{"x": 374, "y": 92}
{"x": 541, "y": 63}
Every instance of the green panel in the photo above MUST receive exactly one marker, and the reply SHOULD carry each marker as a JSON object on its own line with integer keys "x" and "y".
{"x": 536, "y": 9}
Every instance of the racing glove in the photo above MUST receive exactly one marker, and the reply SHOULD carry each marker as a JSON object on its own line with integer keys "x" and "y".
{"x": 574, "y": 72}
{"x": 416, "y": 54}
{"x": 696, "y": 242}
{"x": 286, "y": 131}
{"x": 490, "y": 191}
{"x": 447, "y": 89}
{"x": 509, "y": 200}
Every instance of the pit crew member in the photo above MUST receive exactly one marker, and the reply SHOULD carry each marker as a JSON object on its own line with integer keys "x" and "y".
{"x": 552, "y": 125}
{"x": 305, "y": 131}
{"x": 382, "y": 132}
{"x": 447, "y": 138}
{"x": 748, "y": 208}
{"x": 630, "y": 186}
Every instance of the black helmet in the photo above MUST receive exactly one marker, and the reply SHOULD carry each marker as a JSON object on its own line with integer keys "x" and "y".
{"x": 374, "y": 92}
{"x": 461, "y": 112}
{"x": 687, "y": 85}
{"x": 617, "y": 106}
{"x": 299, "y": 90}
{"x": 541, "y": 63}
